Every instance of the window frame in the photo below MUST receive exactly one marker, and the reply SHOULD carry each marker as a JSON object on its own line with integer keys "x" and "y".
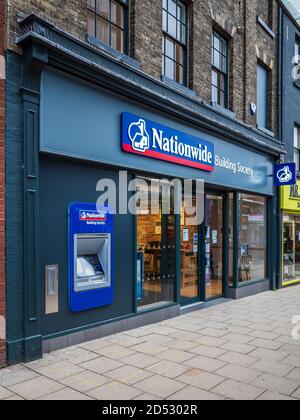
{"x": 250, "y": 198}
{"x": 125, "y": 7}
{"x": 296, "y": 69}
{"x": 268, "y": 74}
{"x": 167, "y": 36}
{"x": 219, "y": 71}
{"x": 297, "y": 149}
{"x": 297, "y": 47}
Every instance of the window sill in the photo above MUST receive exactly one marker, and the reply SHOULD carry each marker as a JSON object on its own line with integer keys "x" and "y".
{"x": 266, "y": 27}
{"x": 178, "y": 86}
{"x": 266, "y": 131}
{"x": 111, "y": 51}
{"x": 140, "y": 310}
{"x": 223, "y": 110}
{"x": 249, "y": 283}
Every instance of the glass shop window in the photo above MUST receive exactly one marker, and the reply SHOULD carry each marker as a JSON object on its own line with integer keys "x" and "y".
{"x": 291, "y": 248}
{"x": 252, "y": 264}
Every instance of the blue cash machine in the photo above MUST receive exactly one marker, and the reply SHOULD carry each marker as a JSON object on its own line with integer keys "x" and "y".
{"x": 91, "y": 258}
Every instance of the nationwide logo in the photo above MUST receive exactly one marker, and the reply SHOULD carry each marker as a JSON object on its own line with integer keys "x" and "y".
{"x": 153, "y": 140}
{"x": 139, "y": 137}
{"x": 86, "y": 216}
{"x": 284, "y": 175}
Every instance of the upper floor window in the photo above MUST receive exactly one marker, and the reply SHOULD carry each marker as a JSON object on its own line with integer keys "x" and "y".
{"x": 297, "y": 147}
{"x": 106, "y": 22}
{"x": 296, "y": 72}
{"x": 174, "y": 41}
{"x": 265, "y": 9}
{"x": 262, "y": 96}
{"x": 219, "y": 70}
{"x": 297, "y": 50}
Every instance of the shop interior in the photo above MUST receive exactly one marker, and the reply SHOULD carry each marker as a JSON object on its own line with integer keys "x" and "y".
{"x": 156, "y": 251}
{"x": 252, "y": 262}
{"x": 291, "y": 248}
{"x": 214, "y": 246}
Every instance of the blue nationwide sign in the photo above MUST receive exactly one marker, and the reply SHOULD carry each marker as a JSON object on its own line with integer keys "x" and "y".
{"x": 149, "y": 139}
{"x": 285, "y": 174}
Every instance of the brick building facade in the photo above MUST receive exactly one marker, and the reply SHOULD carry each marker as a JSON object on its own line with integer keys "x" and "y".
{"x": 58, "y": 145}
{"x": 2, "y": 189}
{"x": 249, "y": 27}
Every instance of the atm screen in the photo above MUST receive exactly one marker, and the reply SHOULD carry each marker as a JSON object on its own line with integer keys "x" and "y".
{"x": 89, "y": 266}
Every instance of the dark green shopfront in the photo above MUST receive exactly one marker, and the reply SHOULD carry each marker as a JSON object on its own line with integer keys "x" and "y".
{"x": 64, "y": 135}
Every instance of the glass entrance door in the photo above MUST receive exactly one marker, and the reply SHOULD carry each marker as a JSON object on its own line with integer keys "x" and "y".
{"x": 189, "y": 252}
{"x": 214, "y": 232}
{"x": 155, "y": 254}
{"x": 201, "y": 251}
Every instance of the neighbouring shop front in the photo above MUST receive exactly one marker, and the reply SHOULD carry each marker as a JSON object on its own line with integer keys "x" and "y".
{"x": 88, "y": 274}
{"x": 290, "y": 205}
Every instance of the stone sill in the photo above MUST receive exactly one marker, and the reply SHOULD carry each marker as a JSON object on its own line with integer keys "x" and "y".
{"x": 266, "y": 27}
{"x": 94, "y": 42}
{"x": 178, "y": 86}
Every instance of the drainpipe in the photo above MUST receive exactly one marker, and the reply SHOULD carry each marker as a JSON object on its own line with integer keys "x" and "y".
{"x": 280, "y": 70}
{"x": 280, "y": 134}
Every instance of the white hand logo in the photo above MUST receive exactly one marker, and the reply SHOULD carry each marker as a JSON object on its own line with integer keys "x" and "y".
{"x": 138, "y": 135}
{"x": 285, "y": 175}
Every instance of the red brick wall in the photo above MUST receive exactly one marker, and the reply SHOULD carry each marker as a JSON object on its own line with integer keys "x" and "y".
{"x": 2, "y": 214}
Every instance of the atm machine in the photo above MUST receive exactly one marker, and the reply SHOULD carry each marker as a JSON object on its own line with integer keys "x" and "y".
{"x": 91, "y": 239}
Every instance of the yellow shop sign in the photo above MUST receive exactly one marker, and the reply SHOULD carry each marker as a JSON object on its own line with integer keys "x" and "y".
{"x": 290, "y": 198}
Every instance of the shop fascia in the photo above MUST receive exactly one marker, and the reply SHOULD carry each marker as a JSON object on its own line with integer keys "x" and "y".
{"x": 154, "y": 140}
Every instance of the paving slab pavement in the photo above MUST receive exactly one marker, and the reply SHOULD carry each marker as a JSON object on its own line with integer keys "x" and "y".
{"x": 239, "y": 350}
